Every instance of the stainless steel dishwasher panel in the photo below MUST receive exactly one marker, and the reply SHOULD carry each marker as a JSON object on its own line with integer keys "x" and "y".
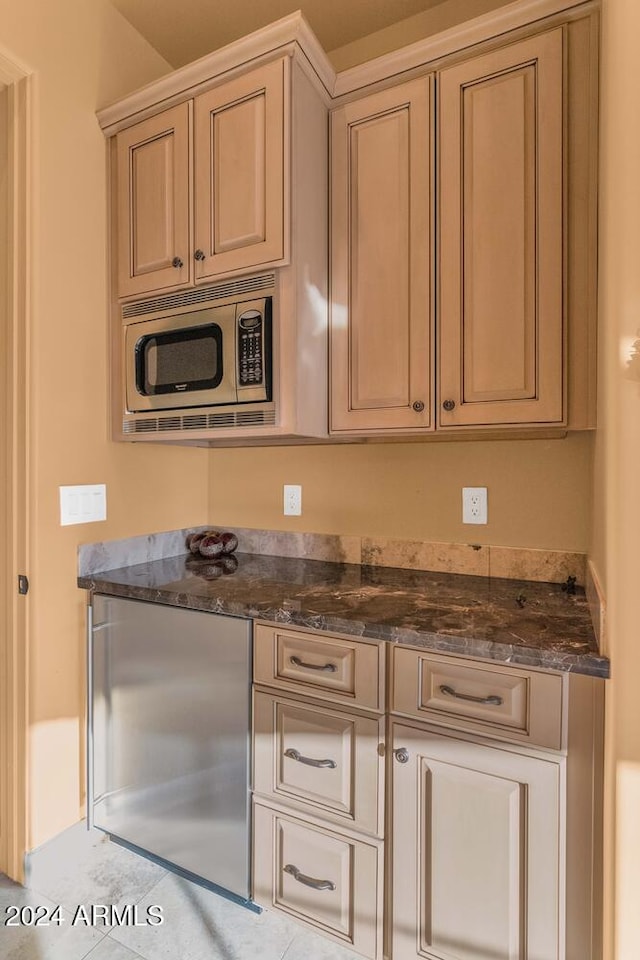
{"x": 170, "y": 721}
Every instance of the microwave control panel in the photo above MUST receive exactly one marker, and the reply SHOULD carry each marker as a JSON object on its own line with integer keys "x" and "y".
{"x": 250, "y": 349}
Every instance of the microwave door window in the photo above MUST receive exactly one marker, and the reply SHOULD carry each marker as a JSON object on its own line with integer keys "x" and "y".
{"x": 181, "y": 361}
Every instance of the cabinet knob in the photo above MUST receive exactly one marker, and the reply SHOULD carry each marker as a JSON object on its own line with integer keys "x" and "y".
{"x": 199, "y": 254}
{"x": 449, "y": 405}
{"x": 418, "y": 406}
{"x": 177, "y": 263}
{"x": 401, "y": 755}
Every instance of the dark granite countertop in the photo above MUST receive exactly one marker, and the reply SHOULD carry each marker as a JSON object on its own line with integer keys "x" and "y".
{"x": 511, "y": 621}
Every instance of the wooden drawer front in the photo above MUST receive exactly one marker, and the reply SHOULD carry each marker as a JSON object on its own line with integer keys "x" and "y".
{"x": 331, "y": 881}
{"x": 322, "y": 666}
{"x": 514, "y": 704}
{"x": 305, "y": 755}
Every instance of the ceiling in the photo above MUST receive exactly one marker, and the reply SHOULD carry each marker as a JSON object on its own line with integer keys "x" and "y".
{"x": 185, "y": 30}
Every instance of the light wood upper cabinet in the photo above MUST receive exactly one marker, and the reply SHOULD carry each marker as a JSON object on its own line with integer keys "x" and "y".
{"x": 476, "y": 855}
{"x": 381, "y": 219}
{"x": 513, "y": 206}
{"x": 228, "y": 188}
{"x": 153, "y": 186}
{"x": 501, "y": 236}
{"x": 239, "y": 172}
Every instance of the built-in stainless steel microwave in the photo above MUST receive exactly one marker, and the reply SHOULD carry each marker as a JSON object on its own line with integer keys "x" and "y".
{"x": 210, "y": 356}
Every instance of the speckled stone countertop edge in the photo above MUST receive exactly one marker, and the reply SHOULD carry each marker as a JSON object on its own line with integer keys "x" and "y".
{"x": 589, "y": 664}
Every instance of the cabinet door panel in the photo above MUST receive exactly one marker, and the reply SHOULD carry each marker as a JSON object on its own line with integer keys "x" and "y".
{"x": 476, "y": 848}
{"x": 238, "y": 137}
{"x": 501, "y": 346}
{"x": 239, "y": 129}
{"x": 380, "y": 331}
{"x": 153, "y": 160}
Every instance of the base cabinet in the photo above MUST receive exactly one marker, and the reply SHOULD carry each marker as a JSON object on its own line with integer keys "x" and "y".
{"x": 476, "y": 850}
{"x": 476, "y": 784}
{"x": 319, "y": 782}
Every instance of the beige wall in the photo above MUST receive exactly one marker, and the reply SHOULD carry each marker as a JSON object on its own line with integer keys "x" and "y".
{"x": 618, "y": 474}
{"x": 83, "y": 55}
{"x": 539, "y": 490}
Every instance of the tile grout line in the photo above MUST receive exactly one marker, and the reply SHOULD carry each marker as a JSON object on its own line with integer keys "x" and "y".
{"x": 289, "y": 945}
{"x": 135, "y": 903}
{"x": 134, "y": 954}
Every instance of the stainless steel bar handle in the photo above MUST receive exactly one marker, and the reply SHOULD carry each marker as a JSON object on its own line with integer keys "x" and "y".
{"x": 309, "y": 881}
{"x": 309, "y": 761}
{"x": 327, "y": 667}
{"x": 493, "y": 700}
{"x": 89, "y": 719}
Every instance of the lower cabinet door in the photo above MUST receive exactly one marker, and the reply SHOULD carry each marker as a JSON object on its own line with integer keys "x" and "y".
{"x": 476, "y": 851}
{"x": 328, "y": 880}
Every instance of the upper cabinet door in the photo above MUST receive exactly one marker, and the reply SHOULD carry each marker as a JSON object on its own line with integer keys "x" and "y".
{"x": 501, "y": 240}
{"x": 240, "y": 173}
{"x": 381, "y": 227}
{"x": 153, "y": 179}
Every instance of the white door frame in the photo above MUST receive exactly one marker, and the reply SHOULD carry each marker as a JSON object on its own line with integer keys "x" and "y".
{"x": 15, "y": 483}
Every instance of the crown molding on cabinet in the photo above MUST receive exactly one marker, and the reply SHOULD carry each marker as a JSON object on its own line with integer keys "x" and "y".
{"x": 281, "y": 37}
{"x": 489, "y": 26}
{"x": 293, "y": 31}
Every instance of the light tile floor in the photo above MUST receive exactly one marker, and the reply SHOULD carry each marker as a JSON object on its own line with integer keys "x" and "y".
{"x": 81, "y": 868}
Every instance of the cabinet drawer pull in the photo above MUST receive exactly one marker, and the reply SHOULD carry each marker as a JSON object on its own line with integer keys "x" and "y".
{"x": 199, "y": 255}
{"x": 493, "y": 700}
{"x": 309, "y": 761}
{"x": 177, "y": 263}
{"x": 327, "y": 667}
{"x": 401, "y": 755}
{"x": 309, "y": 881}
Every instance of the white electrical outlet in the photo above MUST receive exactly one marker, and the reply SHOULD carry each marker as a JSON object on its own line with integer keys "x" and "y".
{"x": 292, "y": 500}
{"x": 474, "y": 505}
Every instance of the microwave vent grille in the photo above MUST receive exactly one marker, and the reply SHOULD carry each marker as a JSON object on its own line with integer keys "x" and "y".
{"x": 199, "y": 421}
{"x": 185, "y": 298}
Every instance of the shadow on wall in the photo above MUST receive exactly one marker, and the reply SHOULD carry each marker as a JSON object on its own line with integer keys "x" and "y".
{"x": 136, "y": 67}
{"x": 631, "y": 357}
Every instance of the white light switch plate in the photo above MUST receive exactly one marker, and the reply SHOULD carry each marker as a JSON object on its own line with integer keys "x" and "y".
{"x": 83, "y": 504}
